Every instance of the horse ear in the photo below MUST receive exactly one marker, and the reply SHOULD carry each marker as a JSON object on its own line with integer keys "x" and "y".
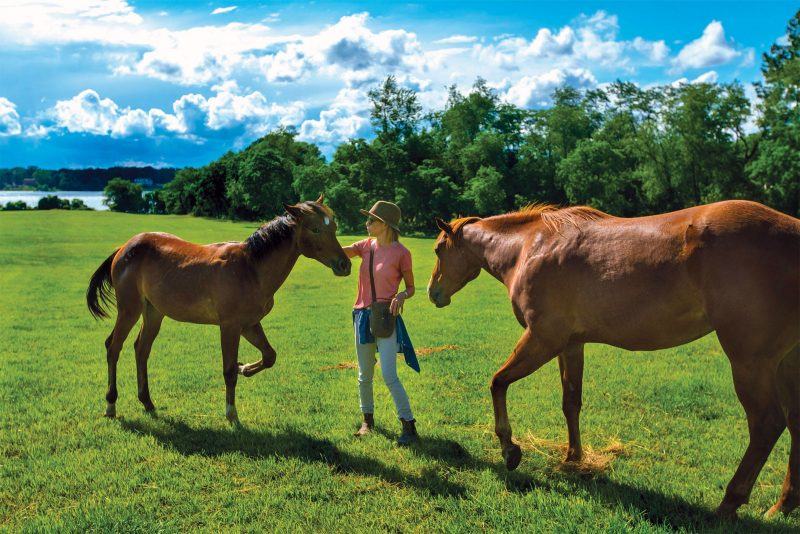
{"x": 444, "y": 227}
{"x": 293, "y": 210}
{"x": 321, "y": 198}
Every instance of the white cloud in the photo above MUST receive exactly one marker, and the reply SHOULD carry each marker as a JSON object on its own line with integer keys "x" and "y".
{"x": 347, "y": 50}
{"x": 66, "y": 21}
{"x": 9, "y": 118}
{"x": 535, "y": 91}
{"x": 707, "y": 77}
{"x": 193, "y": 116}
{"x": 590, "y": 41}
{"x": 347, "y": 117}
{"x": 221, "y": 10}
{"x": 706, "y": 51}
{"x": 655, "y": 51}
{"x": 456, "y": 39}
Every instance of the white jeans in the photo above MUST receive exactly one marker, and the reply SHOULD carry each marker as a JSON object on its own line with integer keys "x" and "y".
{"x": 387, "y": 348}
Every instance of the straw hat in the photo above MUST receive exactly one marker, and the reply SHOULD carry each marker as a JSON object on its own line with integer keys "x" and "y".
{"x": 385, "y": 212}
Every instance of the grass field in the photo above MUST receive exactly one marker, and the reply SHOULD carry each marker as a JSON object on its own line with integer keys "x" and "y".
{"x": 666, "y": 424}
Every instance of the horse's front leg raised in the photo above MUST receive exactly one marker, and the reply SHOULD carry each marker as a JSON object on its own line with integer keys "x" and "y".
{"x": 570, "y": 365}
{"x": 229, "y": 336}
{"x": 529, "y": 354}
{"x": 256, "y": 336}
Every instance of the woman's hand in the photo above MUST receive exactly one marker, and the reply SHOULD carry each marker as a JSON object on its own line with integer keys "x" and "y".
{"x": 396, "y": 306}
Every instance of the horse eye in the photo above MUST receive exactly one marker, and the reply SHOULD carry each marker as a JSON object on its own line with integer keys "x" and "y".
{"x": 315, "y": 230}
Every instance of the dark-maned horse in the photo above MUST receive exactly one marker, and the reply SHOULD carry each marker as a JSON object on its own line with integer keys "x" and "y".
{"x": 577, "y": 275}
{"x": 231, "y": 284}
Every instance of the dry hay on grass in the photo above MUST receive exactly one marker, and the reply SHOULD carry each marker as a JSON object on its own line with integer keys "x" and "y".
{"x": 594, "y": 462}
{"x": 339, "y": 366}
{"x": 424, "y": 351}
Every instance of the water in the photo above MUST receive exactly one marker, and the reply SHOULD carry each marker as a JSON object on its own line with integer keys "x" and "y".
{"x": 93, "y": 199}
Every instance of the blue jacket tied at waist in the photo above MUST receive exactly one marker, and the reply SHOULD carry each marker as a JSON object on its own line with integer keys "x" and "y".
{"x": 361, "y": 319}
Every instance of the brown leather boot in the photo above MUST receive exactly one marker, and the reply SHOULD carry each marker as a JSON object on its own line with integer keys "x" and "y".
{"x": 409, "y": 434}
{"x": 366, "y": 426}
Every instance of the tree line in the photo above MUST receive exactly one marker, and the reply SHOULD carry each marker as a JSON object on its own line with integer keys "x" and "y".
{"x": 91, "y": 179}
{"x": 623, "y": 149}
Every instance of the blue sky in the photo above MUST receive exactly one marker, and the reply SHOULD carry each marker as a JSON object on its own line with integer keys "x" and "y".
{"x": 113, "y": 82}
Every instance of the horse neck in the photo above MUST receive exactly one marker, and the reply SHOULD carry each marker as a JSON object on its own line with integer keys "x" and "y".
{"x": 274, "y": 265}
{"x": 497, "y": 246}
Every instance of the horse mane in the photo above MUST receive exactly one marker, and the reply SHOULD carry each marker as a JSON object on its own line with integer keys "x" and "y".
{"x": 553, "y": 217}
{"x": 273, "y": 233}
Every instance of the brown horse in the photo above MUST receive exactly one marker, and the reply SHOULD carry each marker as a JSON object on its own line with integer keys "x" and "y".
{"x": 231, "y": 284}
{"x": 577, "y": 275}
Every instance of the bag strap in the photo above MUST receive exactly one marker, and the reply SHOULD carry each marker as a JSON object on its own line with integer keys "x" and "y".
{"x": 371, "y": 277}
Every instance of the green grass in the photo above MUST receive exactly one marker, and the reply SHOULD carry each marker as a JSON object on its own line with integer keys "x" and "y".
{"x": 296, "y": 467}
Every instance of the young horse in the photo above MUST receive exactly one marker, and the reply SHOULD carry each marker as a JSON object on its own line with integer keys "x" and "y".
{"x": 577, "y": 275}
{"x": 227, "y": 284}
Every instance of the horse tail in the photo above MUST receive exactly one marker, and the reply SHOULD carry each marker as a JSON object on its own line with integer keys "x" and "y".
{"x": 98, "y": 295}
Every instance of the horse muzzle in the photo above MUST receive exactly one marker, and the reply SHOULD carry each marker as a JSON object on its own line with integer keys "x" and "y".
{"x": 438, "y": 298}
{"x": 341, "y": 267}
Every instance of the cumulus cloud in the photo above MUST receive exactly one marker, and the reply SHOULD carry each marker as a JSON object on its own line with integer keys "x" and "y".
{"x": 711, "y": 49}
{"x": 535, "y": 91}
{"x": 588, "y": 41}
{"x": 221, "y": 10}
{"x": 9, "y": 118}
{"x": 193, "y": 116}
{"x": 347, "y": 117}
{"x": 347, "y": 47}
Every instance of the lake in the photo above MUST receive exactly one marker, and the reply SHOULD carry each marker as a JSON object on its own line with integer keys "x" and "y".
{"x": 93, "y": 199}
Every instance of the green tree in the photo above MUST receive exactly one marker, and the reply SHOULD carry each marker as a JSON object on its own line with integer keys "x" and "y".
{"x": 776, "y": 168}
{"x": 123, "y": 195}
{"x": 484, "y": 192}
{"x": 395, "y": 111}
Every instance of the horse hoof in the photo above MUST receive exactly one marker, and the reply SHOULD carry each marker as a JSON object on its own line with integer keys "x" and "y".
{"x": 111, "y": 410}
{"x": 512, "y": 456}
{"x": 236, "y": 426}
{"x": 727, "y": 512}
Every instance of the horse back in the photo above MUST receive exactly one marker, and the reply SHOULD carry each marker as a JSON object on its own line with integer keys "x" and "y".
{"x": 659, "y": 281}
{"x": 185, "y": 281}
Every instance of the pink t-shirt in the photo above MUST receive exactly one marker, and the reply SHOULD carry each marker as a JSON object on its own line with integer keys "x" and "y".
{"x": 389, "y": 264}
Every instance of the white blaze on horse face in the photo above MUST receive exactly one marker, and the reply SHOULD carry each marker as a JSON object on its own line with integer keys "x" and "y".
{"x": 327, "y": 221}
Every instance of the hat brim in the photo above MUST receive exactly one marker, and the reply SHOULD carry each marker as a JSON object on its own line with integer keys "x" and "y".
{"x": 390, "y": 225}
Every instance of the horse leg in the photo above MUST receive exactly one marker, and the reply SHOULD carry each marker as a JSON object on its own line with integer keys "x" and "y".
{"x": 256, "y": 336}
{"x": 229, "y": 336}
{"x": 570, "y": 365}
{"x": 789, "y": 394}
{"x": 127, "y": 315}
{"x": 151, "y": 324}
{"x": 755, "y": 387}
{"x": 529, "y": 354}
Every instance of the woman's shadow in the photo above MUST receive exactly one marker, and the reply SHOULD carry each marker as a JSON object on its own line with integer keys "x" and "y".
{"x": 285, "y": 442}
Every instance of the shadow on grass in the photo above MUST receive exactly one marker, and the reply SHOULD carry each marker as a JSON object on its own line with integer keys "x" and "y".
{"x": 283, "y": 442}
{"x": 665, "y": 511}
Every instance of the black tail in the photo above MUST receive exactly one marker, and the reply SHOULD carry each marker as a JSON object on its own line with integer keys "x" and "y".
{"x": 99, "y": 294}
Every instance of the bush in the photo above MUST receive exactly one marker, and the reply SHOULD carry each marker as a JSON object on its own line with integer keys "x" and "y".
{"x": 18, "y": 205}
{"x": 52, "y": 202}
{"x": 124, "y": 195}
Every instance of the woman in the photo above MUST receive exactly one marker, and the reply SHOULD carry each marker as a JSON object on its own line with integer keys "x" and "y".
{"x": 391, "y": 262}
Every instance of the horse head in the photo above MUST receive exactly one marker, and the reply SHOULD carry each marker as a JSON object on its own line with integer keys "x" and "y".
{"x": 455, "y": 265}
{"x": 315, "y": 235}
